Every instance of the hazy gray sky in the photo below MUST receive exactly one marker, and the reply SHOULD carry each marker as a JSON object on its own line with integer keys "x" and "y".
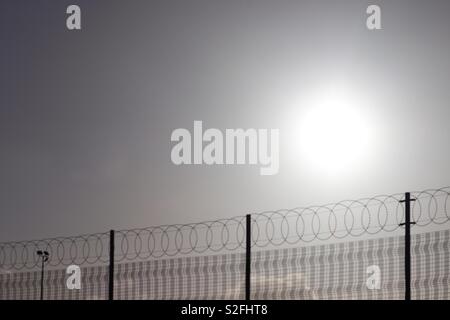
{"x": 86, "y": 116}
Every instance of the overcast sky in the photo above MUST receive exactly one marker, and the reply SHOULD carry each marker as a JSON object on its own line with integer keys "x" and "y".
{"x": 86, "y": 116}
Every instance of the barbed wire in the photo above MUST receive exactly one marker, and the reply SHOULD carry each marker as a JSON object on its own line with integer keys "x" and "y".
{"x": 80, "y": 250}
{"x": 339, "y": 220}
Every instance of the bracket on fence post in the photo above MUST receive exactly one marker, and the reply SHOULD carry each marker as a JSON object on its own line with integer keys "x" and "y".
{"x": 111, "y": 266}
{"x": 407, "y": 225}
{"x": 248, "y": 255}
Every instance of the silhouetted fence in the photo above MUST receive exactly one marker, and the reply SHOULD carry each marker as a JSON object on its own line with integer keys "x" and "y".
{"x": 212, "y": 260}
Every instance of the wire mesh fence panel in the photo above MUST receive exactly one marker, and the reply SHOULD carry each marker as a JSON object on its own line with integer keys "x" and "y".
{"x": 27, "y": 285}
{"x": 332, "y": 271}
{"x": 342, "y": 271}
{"x": 431, "y": 266}
{"x": 200, "y": 277}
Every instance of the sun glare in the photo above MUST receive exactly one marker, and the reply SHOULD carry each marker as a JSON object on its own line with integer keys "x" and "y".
{"x": 333, "y": 133}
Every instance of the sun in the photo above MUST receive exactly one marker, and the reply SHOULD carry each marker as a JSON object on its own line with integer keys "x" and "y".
{"x": 333, "y": 133}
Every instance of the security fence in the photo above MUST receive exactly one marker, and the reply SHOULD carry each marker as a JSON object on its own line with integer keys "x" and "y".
{"x": 319, "y": 252}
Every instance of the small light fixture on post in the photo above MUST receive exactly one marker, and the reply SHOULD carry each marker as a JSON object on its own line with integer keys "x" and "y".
{"x": 44, "y": 255}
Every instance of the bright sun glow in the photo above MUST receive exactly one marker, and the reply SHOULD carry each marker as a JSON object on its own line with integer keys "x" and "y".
{"x": 334, "y": 136}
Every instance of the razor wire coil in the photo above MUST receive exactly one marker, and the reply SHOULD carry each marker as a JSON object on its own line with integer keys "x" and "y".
{"x": 338, "y": 220}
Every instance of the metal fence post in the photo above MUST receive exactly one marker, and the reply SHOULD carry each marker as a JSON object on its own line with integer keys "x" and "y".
{"x": 42, "y": 280}
{"x": 407, "y": 225}
{"x": 248, "y": 256}
{"x": 111, "y": 265}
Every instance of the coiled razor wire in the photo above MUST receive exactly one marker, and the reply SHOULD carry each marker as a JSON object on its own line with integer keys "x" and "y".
{"x": 291, "y": 226}
{"x": 79, "y": 250}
